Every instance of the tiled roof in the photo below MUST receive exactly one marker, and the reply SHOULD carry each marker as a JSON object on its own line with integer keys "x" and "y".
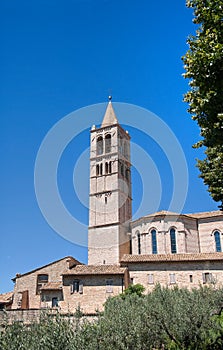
{"x": 52, "y": 286}
{"x": 201, "y": 215}
{"x": 208, "y": 214}
{"x": 128, "y": 258}
{"x": 6, "y": 297}
{"x": 67, "y": 258}
{"x": 96, "y": 270}
{"x": 163, "y": 212}
{"x": 157, "y": 214}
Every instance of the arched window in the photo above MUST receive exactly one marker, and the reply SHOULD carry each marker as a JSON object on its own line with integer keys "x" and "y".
{"x": 121, "y": 145}
{"x": 97, "y": 169}
{"x": 126, "y": 149}
{"x": 101, "y": 169}
{"x": 121, "y": 168}
{"x": 127, "y": 173}
{"x": 109, "y": 167}
{"x": 108, "y": 143}
{"x": 217, "y": 238}
{"x": 173, "y": 241}
{"x": 154, "y": 242}
{"x": 139, "y": 242}
{"x": 99, "y": 145}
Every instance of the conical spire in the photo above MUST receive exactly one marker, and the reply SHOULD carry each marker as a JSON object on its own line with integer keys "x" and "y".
{"x": 109, "y": 117}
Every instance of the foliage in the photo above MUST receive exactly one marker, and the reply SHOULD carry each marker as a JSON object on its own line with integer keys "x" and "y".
{"x": 137, "y": 289}
{"x": 164, "y": 319}
{"x": 204, "y": 68}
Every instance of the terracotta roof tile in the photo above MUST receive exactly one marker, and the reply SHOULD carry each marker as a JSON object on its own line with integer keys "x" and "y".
{"x": 202, "y": 215}
{"x": 52, "y": 286}
{"x": 208, "y": 214}
{"x": 127, "y": 258}
{"x": 96, "y": 270}
{"x": 163, "y": 212}
{"x": 6, "y": 297}
{"x": 72, "y": 260}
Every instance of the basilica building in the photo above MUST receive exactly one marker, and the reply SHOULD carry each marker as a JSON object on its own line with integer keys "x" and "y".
{"x": 169, "y": 248}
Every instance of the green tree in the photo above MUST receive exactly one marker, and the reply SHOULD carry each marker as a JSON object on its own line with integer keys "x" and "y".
{"x": 136, "y": 289}
{"x": 204, "y": 68}
{"x": 169, "y": 318}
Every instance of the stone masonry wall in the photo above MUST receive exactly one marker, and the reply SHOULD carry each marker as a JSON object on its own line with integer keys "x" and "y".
{"x": 95, "y": 293}
{"x": 29, "y": 282}
{"x": 185, "y": 274}
{"x": 207, "y": 226}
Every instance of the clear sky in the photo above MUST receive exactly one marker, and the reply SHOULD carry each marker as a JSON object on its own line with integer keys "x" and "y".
{"x": 59, "y": 56}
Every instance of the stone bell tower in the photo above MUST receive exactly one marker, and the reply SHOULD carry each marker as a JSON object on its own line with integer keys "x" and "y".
{"x": 110, "y": 207}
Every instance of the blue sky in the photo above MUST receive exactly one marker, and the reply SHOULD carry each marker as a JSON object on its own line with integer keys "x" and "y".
{"x": 57, "y": 57}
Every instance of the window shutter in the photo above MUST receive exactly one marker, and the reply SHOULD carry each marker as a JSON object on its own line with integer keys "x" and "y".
{"x": 109, "y": 286}
{"x": 81, "y": 287}
{"x": 209, "y": 277}
{"x": 172, "y": 278}
{"x": 204, "y": 277}
{"x": 150, "y": 279}
{"x": 71, "y": 288}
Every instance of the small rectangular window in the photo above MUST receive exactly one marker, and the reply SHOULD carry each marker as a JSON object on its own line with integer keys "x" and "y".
{"x": 41, "y": 281}
{"x": 191, "y": 278}
{"x": 109, "y": 286}
{"x": 76, "y": 287}
{"x": 55, "y": 302}
{"x": 172, "y": 278}
{"x": 151, "y": 278}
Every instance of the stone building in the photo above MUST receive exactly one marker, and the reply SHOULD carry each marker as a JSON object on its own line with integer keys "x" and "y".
{"x": 34, "y": 289}
{"x": 164, "y": 247}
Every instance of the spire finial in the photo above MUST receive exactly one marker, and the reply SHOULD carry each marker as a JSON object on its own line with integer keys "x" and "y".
{"x": 110, "y": 98}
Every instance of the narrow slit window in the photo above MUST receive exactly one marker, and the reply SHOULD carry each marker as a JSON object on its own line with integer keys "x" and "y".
{"x": 191, "y": 278}
{"x": 139, "y": 243}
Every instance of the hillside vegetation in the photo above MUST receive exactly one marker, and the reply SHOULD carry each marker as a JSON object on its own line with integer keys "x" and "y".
{"x": 164, "y": 319}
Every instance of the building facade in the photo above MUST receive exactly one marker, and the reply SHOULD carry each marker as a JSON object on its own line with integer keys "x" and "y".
{"x": 110, "y": 203}
{"x": 164, "y": 247}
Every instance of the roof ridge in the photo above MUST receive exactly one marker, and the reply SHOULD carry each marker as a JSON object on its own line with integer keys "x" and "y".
{"x": 43, "y": 266}
{"x": 128, "y": 258}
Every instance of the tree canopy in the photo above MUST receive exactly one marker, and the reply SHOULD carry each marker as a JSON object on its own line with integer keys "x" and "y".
{"x": 166, "y": 318}
{"x": 203, "y": 63}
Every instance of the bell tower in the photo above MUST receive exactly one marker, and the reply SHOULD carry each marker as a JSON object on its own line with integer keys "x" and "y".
{"x": 110, "y": 203}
